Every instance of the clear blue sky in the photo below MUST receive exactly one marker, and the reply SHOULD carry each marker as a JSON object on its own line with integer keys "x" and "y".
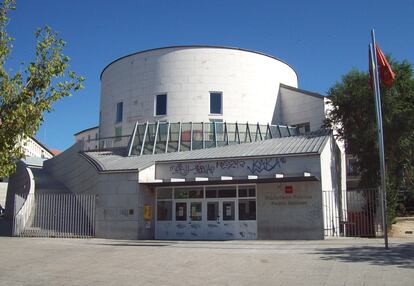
{"x": 322, "y": 40}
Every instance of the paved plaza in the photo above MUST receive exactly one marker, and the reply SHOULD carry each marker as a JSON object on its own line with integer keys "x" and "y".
{"x": 52, "y": 261}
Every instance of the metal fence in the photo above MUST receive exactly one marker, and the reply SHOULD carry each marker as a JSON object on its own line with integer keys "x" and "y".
{"x": 56, "y": 215}
{"x": 358, "y": 216}
{"x": 108, "y": 143}
{"x": 331, "y": 217}
{"x": 362, "y": 217}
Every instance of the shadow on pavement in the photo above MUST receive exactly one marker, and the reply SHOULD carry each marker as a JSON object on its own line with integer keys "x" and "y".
{"x": 401, "y": 255}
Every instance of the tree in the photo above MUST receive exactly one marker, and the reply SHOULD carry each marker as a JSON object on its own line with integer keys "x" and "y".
{"x": 353, "y": 117}
{"x": 26, "y": 96}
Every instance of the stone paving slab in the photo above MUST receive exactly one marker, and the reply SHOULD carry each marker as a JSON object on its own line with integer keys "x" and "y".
{"x": 51, "y": 261}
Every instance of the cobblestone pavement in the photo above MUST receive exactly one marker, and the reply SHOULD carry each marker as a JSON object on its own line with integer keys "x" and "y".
{"x": 52, "y": 261}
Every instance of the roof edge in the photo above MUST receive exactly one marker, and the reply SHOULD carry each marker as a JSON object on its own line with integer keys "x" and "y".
{"x": 200, "y": 46}
{"x": 42, "y": 145}
{"x": 98, "y": 166}
{"x": 87, "y": 129}
{"x": 325, "y": 141}
{"x": 314, "y": 94}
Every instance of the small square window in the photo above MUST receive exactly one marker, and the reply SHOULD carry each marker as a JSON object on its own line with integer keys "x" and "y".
{"x": 161, "y": 104}
{"x": 216, "y": 103}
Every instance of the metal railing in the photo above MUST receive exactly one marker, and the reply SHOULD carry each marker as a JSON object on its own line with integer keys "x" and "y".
{"x": 107, "y": 143}
{"x": 331, "y": 213}
{"x": 57, "y": 215}
{"x": 167, "y": 137}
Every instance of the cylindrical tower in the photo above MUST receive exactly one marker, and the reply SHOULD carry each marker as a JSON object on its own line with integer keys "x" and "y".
{"x": 190, "y": 84}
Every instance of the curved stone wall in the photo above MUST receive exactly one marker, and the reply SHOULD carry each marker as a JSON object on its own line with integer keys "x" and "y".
{"x": 248, "y": 81}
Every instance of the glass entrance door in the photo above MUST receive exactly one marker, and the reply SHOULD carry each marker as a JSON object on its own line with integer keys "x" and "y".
{"x": 213, "y": 214}
{"x": 196, "y": 213}
{"x": 209, "y": 212}
{"x": 228, "y": 218}
{"x": 188, "y": 219}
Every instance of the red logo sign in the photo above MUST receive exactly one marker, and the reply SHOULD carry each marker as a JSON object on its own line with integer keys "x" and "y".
{"x": 288, "y": 189}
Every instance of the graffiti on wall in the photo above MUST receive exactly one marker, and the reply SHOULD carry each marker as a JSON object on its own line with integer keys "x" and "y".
{"x": 217, "y": 168}
{"x": 266, "y": 164}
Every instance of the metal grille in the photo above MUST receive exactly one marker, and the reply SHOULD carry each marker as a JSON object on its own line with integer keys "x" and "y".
{"x": 331, "y": 213}
{"x": 358, "y": 216}
{"x": 362, "y": 218}
{"x": 56, "y": 215}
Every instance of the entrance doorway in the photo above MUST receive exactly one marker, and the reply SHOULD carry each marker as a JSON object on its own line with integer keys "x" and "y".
{"x": 206, "y": 213}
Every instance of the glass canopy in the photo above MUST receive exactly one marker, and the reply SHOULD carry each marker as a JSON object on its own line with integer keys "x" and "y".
{"x": 168, "y": 137}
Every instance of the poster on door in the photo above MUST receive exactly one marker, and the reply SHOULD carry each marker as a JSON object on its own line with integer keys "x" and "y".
{"x": 180, "y": 211}
{"x": 228, "y": 210}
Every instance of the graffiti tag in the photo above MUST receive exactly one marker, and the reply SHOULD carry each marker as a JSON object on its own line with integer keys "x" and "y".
{"x": 230, "y": 164}
{"x": 266, "y": 164}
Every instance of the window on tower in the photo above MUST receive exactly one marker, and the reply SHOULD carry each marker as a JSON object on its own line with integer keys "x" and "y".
{"x": 216, "y": 102}
{"x": 119, "y": 111}
{"x": 161, "y": 104}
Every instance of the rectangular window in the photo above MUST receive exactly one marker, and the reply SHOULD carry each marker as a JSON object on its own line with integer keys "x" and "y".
{"x": 303, "y": 128}
{"x": 227, "y": 193}
{"x": 118, "y": 133}
{"x": 164, "y": 193}
{"x": 196, "y": 193}
{"x": 211, "y": 193}
{"x": 164, "y": 210}
{"x": 247, "y": 209}
{"x": 195, "y": 211}
{"x": 161, "y": 104}
{"x": 180, "y": 194}
{"x": 247, "y": 192}
{"x": 352, "y": 167}
{"x": 119, "y": 111}
{"x": 212, "y": 211}
{"x": 216, "y": 103}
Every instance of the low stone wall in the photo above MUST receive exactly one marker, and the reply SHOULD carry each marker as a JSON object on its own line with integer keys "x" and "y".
{"x": 403, "y": 228}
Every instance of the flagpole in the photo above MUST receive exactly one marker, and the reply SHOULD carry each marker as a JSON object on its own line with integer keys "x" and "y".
{"x": 377, "y": 93}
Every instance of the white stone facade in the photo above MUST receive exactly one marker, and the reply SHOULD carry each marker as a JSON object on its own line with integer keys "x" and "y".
{"x": 33, "y": 148}
{"x": 89, "y": 138}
